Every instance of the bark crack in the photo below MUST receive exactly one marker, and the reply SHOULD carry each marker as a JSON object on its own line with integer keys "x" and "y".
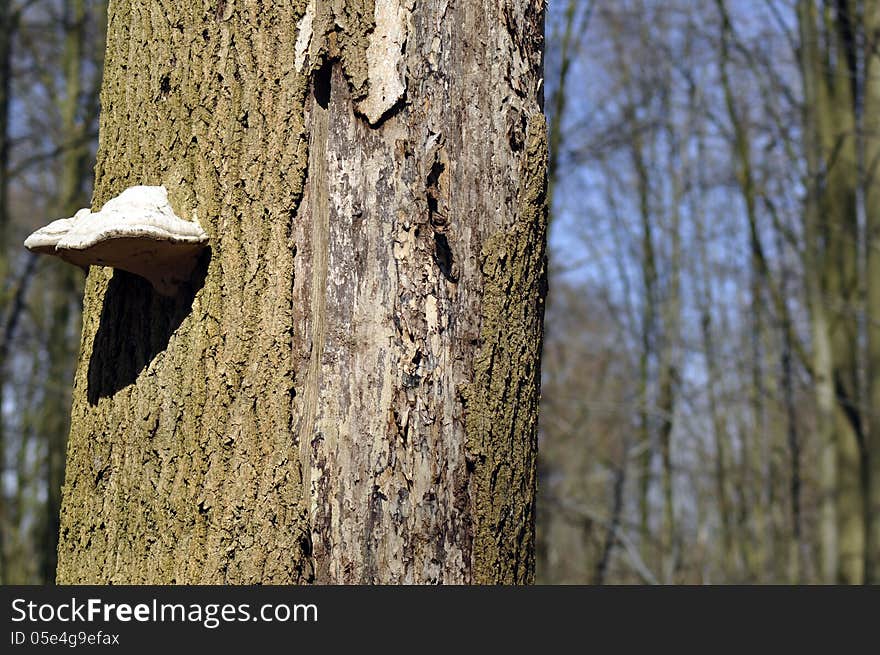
{"x": 318, "y": 184}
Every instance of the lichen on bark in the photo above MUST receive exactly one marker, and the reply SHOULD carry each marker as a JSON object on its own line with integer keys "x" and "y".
{"x": 181, "y": 461}
{"x": 502, "y": 400}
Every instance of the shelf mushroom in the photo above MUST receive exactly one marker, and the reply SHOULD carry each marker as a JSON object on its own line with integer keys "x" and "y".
{"x": 137, "y": 231}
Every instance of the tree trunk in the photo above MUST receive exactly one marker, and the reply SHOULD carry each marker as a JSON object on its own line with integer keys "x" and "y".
{"x": 348, "y": 392}
{"x": 871, "y": 130}
{"x": 6, "y": 35}
{"x": 65, "y": 285}
{"x": 839, "y": 161}
{"x": 831, "y": 265}
{"x": 8, "y": 26}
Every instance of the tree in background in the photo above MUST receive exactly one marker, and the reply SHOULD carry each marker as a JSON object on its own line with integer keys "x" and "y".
{"x": 842, "y": 221}
{"x": 51, "y": 62}
{"x": 690, "y": 210}
{"x": 870, "y": 160}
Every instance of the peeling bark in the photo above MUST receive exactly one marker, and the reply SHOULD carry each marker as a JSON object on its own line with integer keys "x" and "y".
{"x": 348, "y": 392}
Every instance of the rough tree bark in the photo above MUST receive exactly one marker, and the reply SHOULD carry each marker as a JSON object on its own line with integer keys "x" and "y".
{"x": 348, "y": 392}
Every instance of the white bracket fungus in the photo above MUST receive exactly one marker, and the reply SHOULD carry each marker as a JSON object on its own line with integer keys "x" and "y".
{"x": 137, "y": 231}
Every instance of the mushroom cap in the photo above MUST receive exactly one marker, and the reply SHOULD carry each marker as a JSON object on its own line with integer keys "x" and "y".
{"x": 139, "y": 212}
{"x": 137, "y": 231}
{"x": 46, "y": 238}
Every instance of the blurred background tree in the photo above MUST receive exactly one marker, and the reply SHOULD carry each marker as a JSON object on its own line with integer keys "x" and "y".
{"x": 712, "y": 365}
{"x": 50, "y": 67}
{"x": 711, "y": 400}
